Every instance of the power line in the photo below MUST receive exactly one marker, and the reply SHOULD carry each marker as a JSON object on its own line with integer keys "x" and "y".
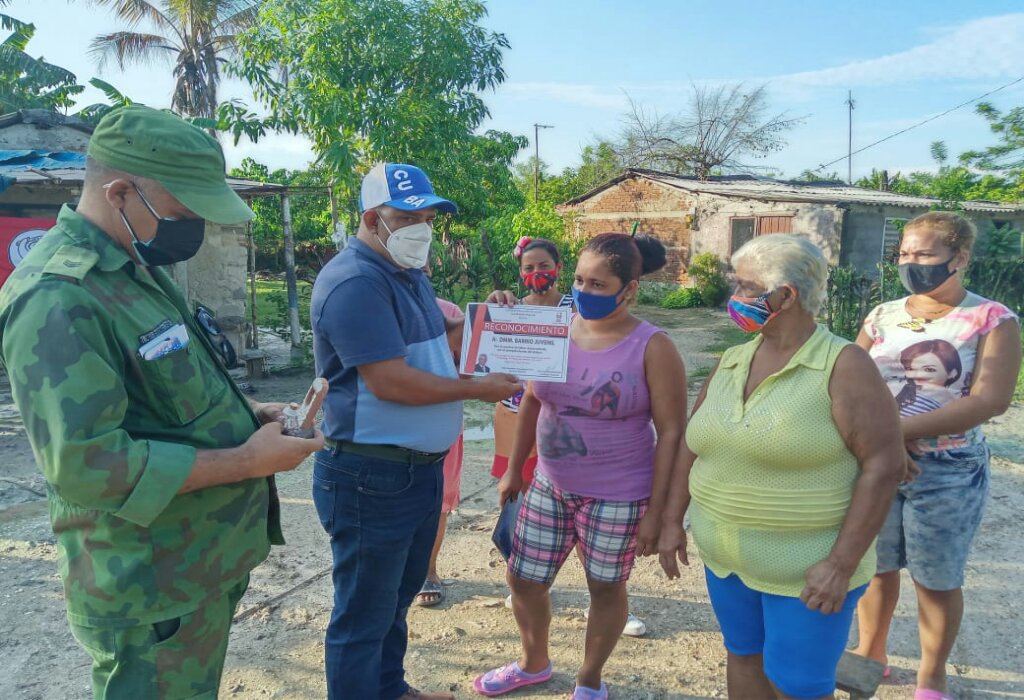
{"x": 920, "y": 123}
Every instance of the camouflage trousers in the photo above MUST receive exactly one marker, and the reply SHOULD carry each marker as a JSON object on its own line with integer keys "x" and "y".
{"x": 170, "y": 660}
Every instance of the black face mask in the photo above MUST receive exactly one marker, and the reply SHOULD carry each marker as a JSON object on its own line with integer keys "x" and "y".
{"x": 175, "y": 240}
{"x": 921, "y": 279}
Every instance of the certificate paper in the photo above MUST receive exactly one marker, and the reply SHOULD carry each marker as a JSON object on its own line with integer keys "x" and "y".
{"x": 530, "y": 342}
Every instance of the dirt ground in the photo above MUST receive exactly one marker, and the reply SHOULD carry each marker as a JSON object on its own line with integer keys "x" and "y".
{"x": 277, "y": 644}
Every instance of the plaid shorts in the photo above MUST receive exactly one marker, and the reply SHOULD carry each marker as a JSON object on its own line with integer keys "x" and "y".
{"x": 552, "y": 521}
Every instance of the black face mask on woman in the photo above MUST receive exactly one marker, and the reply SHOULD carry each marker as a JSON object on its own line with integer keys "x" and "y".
{"x": 921, "y": 279}
{"x": 176, "y": 240}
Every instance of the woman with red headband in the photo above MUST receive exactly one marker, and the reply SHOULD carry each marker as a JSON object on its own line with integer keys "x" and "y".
{"x": 539, "y": 266}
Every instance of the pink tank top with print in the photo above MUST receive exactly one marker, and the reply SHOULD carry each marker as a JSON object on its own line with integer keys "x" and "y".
{"x": 595, "y": 436}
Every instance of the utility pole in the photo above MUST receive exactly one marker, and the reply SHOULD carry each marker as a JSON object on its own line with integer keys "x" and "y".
{"x": 849, "y": 143}
{"x": 536, "y": 158}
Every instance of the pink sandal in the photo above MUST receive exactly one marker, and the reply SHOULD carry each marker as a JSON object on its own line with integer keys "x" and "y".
{"x": 930, "y": 694}
{"x": 508, "y": 678}
{"x": 582, "y": 692}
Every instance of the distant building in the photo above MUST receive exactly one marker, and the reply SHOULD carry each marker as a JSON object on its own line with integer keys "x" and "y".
{"x": 852, "y": 225}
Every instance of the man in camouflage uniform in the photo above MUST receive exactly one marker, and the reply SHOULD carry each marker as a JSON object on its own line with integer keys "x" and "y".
{"x": 159, "y": 476}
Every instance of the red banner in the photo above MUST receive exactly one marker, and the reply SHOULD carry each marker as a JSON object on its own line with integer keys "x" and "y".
{"x": 17, "y": 236}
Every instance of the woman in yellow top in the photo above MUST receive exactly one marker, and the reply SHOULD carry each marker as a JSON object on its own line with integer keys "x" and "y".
{"x": 790, "y": 463}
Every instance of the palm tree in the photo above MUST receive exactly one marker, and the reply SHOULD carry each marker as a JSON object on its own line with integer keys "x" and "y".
{"x": 198, "y": 34}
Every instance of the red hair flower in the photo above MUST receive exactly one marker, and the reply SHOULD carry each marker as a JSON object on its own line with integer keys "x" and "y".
{"x": 520, "y": 245}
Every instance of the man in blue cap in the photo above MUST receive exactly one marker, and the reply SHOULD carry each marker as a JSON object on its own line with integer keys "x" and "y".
{"x": 393, "y": 410}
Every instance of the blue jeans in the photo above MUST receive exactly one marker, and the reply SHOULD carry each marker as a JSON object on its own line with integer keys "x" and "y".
{"x": 382, "y": 519}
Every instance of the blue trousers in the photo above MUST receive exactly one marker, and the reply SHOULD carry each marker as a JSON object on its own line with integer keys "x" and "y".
{"x": 382, "y": 518}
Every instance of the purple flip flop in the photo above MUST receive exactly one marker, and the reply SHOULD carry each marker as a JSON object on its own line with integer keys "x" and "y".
{"x": 582, "y": 692}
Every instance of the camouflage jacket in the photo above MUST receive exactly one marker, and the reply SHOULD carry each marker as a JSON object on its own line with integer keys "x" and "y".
{"x": 115, "y": 417}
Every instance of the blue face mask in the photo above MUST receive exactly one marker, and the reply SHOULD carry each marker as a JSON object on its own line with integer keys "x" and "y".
{"x": 594, "y": 306}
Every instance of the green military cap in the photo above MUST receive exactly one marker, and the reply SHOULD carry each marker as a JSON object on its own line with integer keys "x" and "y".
{"x": 183, "y": 158}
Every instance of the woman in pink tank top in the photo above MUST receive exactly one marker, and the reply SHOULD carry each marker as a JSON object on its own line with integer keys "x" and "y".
{"x": 606, "y": 440}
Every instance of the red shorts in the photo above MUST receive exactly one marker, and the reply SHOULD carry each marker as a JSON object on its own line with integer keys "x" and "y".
{"x": 452, "y": 477}
{"x": 504, "y": 434}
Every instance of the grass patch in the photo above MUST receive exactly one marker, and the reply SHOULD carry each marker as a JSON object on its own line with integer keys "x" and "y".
{"x": 272, "y": 303}
{"x": 728, "y": 338}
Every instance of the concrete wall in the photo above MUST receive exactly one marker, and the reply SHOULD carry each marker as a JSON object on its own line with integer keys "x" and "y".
{"x": 662, "y": 212}
{"x": 36, "y": 201}
{"x": 19, "y": 137}
{"x": 864, "y": 226}
{"x": 822, "y": 223}
{"x": 216, "y": 278}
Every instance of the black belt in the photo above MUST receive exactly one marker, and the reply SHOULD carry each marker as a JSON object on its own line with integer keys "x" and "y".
{"x": 391, "y": 453}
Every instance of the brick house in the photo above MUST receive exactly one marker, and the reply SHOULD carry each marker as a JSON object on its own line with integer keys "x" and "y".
{"x": 852, "y": 225}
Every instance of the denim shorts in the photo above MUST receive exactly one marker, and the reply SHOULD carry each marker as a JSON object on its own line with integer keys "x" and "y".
{"x": 801, "y": 647}
{"x": 933, "y": 519}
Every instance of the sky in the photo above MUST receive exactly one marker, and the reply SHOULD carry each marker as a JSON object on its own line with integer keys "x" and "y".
{"x": 575, "y": 64}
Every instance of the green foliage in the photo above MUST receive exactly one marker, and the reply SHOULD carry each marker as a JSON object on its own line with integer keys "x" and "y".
{"x": 1002, "y": 280}
{"x": 235, "y": 118}
{"x": 115, "y": 98}
{"x": 995, "y": 173}
{"x": 682, "y": 298}
{"x": 1001, "y": 242}
{"x": 706, "y": 271}
{"x": 370, "y": 80}
{"x": 27, "y": 82}
{"x": 599, "y": 162}
{"x": 311, "y": 217}
{"x": 472, "y": 261}
{"x": 851, "y": 295}
{"x": 653, "y": 293}
{"x": 815, "y": 176}
{"x": 272, "y": 306}
{"x": 1008, "y": 154}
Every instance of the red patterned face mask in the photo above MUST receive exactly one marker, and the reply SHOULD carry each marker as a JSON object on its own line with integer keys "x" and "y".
{"x": 539, "y": 281}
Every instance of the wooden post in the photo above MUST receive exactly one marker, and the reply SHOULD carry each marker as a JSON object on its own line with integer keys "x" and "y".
{"x": 334, "y": 207}
{"x": 254, "y": 333}
{"x": 289, "y": 269}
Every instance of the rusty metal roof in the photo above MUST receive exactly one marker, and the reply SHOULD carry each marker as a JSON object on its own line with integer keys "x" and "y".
{"x": 769, "y": 190}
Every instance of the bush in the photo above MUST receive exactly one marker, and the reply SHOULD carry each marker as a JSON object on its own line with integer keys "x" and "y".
{"x": 682, "y": 298}
{"x": 653, "y": 293}
{"x": 708, "y": 279}
{"x": 851, "y": 295}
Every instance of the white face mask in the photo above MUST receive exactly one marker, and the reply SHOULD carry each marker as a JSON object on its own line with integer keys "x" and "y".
{"x": 409, "y": 246}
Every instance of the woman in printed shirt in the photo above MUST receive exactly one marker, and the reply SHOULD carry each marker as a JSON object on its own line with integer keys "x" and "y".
{"x": 601, "y": 479}
{"x": 951, "y": 359}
